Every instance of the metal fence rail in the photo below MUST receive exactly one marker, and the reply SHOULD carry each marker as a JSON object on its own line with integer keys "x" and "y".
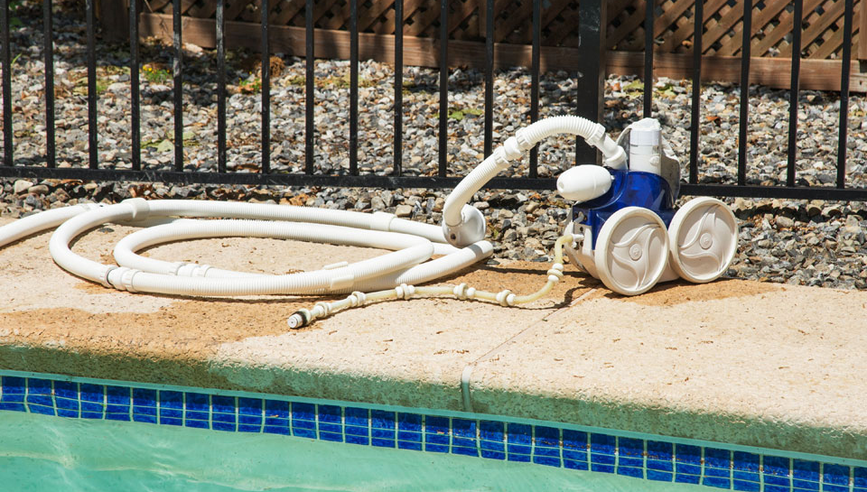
{"x": 590, "y": 83}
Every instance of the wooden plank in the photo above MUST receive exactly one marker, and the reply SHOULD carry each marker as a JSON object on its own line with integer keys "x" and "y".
{"x": 773, "y": 72}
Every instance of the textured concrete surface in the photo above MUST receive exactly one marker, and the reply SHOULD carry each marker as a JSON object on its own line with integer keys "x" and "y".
{"x": 733, "y": 361}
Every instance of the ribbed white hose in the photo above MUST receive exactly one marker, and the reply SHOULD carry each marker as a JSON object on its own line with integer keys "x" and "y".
{"x": 42, "y": 221}
{"x": 413, "y": 244}
{"x": 514, "y": 148}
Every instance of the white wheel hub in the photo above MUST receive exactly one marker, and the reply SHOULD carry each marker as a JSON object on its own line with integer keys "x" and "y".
{"x": 703, "y": 239}
{"x": 631, "y": 251}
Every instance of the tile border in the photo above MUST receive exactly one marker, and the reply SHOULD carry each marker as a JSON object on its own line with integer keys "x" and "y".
{"x": 644, "y": 456}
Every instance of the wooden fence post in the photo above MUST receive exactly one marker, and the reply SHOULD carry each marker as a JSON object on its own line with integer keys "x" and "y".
{"x": 114, "y": 18}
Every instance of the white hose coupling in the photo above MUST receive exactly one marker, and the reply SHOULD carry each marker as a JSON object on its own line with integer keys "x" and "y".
{"x": 103, "y": 277}
{"x": 597, "y": 138}
{"x": 512, "y": 148}
{"x": 381, "y": 221}
{"x": 460, "y": 291}
{"x": 121, "y": 278}
{"x": 357, "y": 299}
{"x": 404, "y": 291}
{"x": 140, "y": 208}
{"x": 321, "y": 310}
{"x": 555, "y": 274}
{"x": 506, "y": 298}
{"x": 192, "y": 270}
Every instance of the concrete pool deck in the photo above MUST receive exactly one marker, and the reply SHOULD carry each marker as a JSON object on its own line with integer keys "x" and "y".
{"x": 738, "y": 362}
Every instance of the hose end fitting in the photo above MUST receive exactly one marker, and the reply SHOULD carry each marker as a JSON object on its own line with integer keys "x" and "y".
{"x": 299, "y": 319}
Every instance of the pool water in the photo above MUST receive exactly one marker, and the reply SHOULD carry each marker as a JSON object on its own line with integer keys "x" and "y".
{"x": 41, "y": 453}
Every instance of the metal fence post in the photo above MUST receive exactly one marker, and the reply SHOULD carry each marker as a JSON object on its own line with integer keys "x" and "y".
{"x": 592, "y": 20}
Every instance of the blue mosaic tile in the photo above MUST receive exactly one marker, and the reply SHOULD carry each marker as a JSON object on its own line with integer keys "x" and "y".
{"x": 330, "y": 414}
{"x": 660, "y": 461}
{"x": 250, "y": 412}
{"x": 835, "y": 478}
{"x": 805, "y": 475}
{"x": 223, "y": 404}
{"x": 603, "y": 453}
{"x": 142, "y": 397}
{"x": 39, "y": 386}
{"x": 13, "y": 386}
{"x": 547, "y": 449}
{"x": 14, "y": 407}
{"x": 358, "y": 417}
{"x": 519, "y": 439}
{"x": 687, "y": 463}
{"x": 437, "y": 434}
{"x": 492, "y": 440}
{"x": 171, "y": 399}
{"x": 90, "y": 392}
{"x": 777, "y": 471}
{"x": 409, "y": 435}
{"x": 42, "y": 409}
{"x": 198, "y": 410}
{"x": 147, "y": 419}
{"x": 223, "y": 421}
{"x": 197, "y": 424}
{"x": 717, "y": 468}
{"x": 860, "y": 476}
{"x": 631, "y": 452}
{"x": 745, "y": 471}
{"x": 575, "y": 449}
{"x": 303, "y": 412}
{"x": 382, "y": 428}
{"x": 117, "y": 395}
{"x": 66, "y": 389}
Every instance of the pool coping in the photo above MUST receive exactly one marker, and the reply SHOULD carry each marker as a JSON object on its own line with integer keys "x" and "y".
{"x": 511, "y": 364}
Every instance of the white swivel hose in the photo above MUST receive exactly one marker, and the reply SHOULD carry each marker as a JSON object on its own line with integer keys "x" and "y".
{"x": 392, "y": 275}
{"x": 463, "y": 224}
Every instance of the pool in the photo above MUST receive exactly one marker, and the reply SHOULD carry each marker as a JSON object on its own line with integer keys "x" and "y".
{"x": 64, "y": 433}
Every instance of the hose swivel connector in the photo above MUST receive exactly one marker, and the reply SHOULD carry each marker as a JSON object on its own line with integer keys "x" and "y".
{"x": 470, "y": 230}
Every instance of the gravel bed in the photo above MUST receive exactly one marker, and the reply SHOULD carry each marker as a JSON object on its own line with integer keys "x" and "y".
{"x": 796, "y": 242}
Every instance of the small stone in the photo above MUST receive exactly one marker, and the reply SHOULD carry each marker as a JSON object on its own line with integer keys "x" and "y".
{"x": 784, "y": 222}
{"x": 20, "y": 186}
{"x": 38, "y": 190}
{"x": 403, "y": 211}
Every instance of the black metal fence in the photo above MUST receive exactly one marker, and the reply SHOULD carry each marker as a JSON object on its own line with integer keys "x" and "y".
{"x": 590, "y": 67}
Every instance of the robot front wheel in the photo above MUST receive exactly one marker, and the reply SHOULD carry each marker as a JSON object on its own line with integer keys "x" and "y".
{"x": 634, "y": 249}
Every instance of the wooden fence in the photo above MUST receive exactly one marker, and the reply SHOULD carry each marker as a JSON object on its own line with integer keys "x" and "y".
{"x": 772, "y": 20}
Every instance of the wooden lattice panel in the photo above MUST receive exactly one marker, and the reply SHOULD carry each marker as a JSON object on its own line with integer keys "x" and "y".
{"x": 822, "y": 35}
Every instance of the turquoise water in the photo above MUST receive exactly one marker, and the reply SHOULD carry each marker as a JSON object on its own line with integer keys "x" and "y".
{"x": 40, "y": 453}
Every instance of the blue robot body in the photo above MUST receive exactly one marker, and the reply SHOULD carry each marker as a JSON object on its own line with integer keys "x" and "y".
{"x": 628, "y": 189}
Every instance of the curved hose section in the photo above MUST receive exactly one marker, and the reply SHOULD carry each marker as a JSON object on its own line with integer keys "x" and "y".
{"x": 412, "y": 245}
{"x": 514, "y": 147}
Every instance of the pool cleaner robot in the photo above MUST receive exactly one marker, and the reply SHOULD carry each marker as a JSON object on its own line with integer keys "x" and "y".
{"x": 627, "y": 231}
